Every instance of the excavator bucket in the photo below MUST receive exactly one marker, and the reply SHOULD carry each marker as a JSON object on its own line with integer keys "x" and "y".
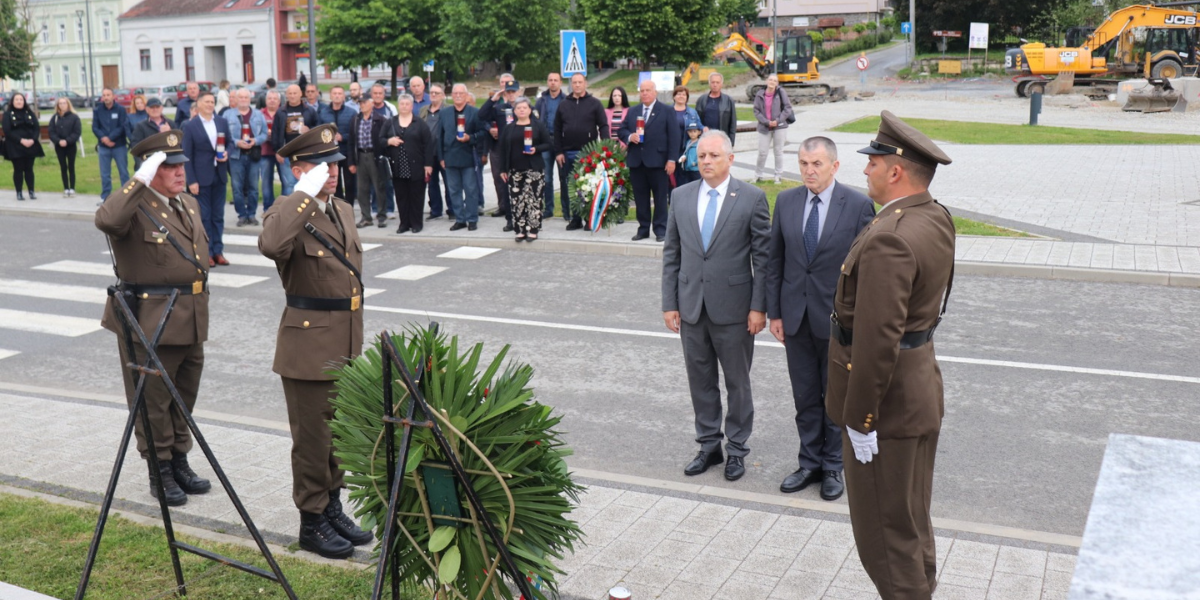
{"x": 1063, "y": 84}
{"x": 1156, "y": 96}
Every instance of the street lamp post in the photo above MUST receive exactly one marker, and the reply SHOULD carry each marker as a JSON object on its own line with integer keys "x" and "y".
{"x": 774, "y": 36}
{"x": 83, "y": 54}
{"x": 312, "y": 44}
{"x": 90, "y": 63}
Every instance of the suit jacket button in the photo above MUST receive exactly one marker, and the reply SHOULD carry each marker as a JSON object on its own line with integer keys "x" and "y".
{"x": 848, "y": 366}
{"x": 306, "y": 323}
{"x": 320, "y": 253}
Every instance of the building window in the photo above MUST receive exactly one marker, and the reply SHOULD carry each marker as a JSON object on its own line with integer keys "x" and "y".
{"x": 49, "y": 75}
{"x": 260, "y": 2}
{"x": 66, "y": 74}
{"x": 189, "y": 64}
{"x": 45, "y": 34}
{"x": 168, "y": 59}
{"x": 79, "y": 30}
{"x": 107, "y": 30}
{"x": 62, "y": 33}
{"x": 144, "y": 56}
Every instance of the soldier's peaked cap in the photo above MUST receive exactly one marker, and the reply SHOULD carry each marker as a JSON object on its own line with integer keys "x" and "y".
{"x": 899, "y": 138}
{"x": 167, "y": 142}
{"x": 317, "y": 145}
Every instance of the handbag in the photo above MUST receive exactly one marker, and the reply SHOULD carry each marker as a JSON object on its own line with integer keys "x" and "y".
{"x": 255, "y": 153}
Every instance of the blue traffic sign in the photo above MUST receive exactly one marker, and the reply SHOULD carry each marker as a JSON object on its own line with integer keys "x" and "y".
{"x": 906, "y": 27}
{"x": 574, "y": 53}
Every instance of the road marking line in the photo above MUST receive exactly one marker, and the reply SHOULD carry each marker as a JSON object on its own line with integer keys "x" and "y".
{"x": 22, "y": 320}
{"x": 372, "y": 292}
{"x": 237, "y": 239}
{"x": 53, "y": 291}
{"x": 773, "y": 344}
{"x": 411, "y": 272}
{"x": 468, "y": 252}
{"x": 249, "y": 260}
{"x": 118, "y": 402}
{"x": 78, "y": 267}
{"x": 7, "y": 353}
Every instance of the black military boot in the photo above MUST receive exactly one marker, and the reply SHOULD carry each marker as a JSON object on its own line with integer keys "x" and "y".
{"x": 316, "y": 535}
{"x": 175, "y": 496}
{"x": 343, "y": 524}
{"x": 187, "y": 479}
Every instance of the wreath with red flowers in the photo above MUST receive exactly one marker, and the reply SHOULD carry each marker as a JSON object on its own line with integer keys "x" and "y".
{"x": 600, "y": 159}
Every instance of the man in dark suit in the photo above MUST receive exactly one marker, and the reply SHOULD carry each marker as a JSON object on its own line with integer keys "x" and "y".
{"x": 651, "y": 158}
{"x": 813, "y": 228}
{"x": 208, "y": 171}
{"x": 714, "y": 296}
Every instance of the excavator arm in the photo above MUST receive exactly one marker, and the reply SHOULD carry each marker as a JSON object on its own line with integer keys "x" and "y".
{"x": 734, "y": 43}
{"x": 1132, "y": 17}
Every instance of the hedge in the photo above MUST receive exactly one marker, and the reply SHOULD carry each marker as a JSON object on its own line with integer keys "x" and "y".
{"x": 859, "y": 44}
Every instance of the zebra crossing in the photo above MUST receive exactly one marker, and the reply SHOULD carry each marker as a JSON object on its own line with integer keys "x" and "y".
{"x": 33, "y": 302}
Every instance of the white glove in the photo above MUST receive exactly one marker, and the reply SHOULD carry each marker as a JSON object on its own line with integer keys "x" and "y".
{"x": 866, "y": 446}
{"x": 149, "y": 168}
{"x": 311, "y": 182}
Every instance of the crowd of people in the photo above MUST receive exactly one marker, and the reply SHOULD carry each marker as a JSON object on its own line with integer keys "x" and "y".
{"x": 400, "y": 156}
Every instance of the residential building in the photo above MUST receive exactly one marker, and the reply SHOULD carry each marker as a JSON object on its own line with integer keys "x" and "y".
{"x": 170, "y": 41}
{"x": 821, "y": 14}
{"x": 61, "y": 46}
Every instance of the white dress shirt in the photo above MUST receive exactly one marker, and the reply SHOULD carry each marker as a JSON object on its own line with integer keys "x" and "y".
{"x": 702, "y": 200}
{"x": 210, "y": 127}
{"x": 825, "y": 196}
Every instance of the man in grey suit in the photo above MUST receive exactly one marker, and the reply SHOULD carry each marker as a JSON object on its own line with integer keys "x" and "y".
{"x": 814, "y": 227}
{"x": 714, "y": 296}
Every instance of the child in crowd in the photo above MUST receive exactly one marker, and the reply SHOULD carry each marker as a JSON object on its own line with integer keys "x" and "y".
{"x": 690, "y": 165}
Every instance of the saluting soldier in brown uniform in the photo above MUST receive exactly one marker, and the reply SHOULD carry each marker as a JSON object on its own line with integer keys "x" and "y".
{"x": 312, "y": 239}
{"x": 157, "y": 241}
{"x": 885, "y": 387}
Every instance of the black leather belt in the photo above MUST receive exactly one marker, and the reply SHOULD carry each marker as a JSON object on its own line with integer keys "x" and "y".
{"x": 908, "y": 341}
{"x": 196, "y": 287}
{"x": 307, "y": 303}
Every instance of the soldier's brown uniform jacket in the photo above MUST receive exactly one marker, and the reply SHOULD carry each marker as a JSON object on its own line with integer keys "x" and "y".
{"x": 145, "y": 257}
{"x": 892, "y": 282}
{"x": 312, "y": 342}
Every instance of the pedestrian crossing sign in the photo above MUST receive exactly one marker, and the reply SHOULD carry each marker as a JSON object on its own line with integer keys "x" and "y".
{"x": 574, "y": 52}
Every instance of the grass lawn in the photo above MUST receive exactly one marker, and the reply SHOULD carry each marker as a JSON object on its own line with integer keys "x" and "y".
{"x": 43, "y": 547}
{"x": 963, "y": 132}
{"x": 961, "y": 226}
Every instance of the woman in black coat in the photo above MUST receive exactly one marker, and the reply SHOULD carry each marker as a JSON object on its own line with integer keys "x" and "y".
{"x": 410, "y": 155}
{"x": 523, "y": 169}
{"x": 22, "y": 133}
{"x": 64, "y": 136}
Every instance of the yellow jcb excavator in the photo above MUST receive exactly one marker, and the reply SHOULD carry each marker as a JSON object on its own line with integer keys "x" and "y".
{"x": 1166, "y": 37}
{"x": 798, "y": 72}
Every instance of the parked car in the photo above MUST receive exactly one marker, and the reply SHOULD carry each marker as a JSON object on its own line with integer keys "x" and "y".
{"x": 165, "y": 93}
{"x": 121, "y": 97}
{"x": 205, "y": 86}
{"x": 401, "y": 84}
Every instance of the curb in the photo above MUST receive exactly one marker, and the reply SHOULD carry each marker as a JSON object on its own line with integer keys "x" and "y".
{"x": 654, "y": 250}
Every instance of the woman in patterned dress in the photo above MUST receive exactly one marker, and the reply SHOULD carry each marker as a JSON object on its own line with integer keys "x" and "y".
{"x": 521, "y": 146}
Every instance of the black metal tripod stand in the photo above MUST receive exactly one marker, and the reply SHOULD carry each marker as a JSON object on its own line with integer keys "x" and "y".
{"x": 153, "y": 367}
{"x": 395, "y": 467}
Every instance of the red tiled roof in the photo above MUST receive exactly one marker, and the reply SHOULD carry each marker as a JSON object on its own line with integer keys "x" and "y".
{"x": 171, "y": 8}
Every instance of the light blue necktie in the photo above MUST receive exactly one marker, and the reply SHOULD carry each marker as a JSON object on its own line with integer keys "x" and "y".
{"x": 710, "y": 218}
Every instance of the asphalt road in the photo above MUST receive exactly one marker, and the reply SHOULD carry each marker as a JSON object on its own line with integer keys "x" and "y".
{"x": 1021, "y": 444}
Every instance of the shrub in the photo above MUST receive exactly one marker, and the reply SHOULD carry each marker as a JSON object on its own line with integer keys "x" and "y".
{"x": 860, "y": 27}
{"x": 830, "y": 34}
{"x": 860, "y": 44}
{"x": 889, "y": 22}
{"x": 885, "y": 35}
{"x": 817, "y": 38}
{"x": 872, "y": 25}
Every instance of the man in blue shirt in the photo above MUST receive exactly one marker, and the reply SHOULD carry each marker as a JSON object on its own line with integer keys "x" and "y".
{"x": 416, "y": 87}
{"x": 547, "y": 108}
{"x": 340, "y": 113}
{"x": 108, "y": 125}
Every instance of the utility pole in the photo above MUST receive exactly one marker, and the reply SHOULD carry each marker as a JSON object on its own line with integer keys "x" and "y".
{"x": 87, "y": 84}
{"x": 912, "y": 20}
{"x": 774, "y": 36}
{"x": 312, "y": 44}
{"x": 91, "y": 64}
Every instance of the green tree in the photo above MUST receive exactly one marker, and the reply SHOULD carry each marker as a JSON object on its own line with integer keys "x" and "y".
{"x": 638, "y": 29}
{"x": 15, "y": 42}
{"x": 354, "y": 33}
{"x": 734, "y": 10}
{"x": 506, "y": 30}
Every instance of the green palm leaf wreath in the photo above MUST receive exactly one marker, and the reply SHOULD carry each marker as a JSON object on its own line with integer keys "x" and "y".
{"x": 504, "y": 439}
